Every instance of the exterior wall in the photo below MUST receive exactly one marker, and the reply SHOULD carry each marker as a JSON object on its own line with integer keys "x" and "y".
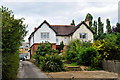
{"x": 83, "y": 29}
{"x": 65, "y": 39}
{"x": 44, "y": 28}
{"x": 31, "y": 41}
{"x": 35, "y": 46}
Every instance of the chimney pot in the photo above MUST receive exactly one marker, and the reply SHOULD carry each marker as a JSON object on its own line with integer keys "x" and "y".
{"x": 35, "y": 28}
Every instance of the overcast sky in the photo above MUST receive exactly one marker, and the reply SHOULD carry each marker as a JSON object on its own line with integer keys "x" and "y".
{"x": 62, "y": 11}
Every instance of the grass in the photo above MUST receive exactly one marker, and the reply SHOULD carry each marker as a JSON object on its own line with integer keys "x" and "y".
{"x": 72, "y": 64}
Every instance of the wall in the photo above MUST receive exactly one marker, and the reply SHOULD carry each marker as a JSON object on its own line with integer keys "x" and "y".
{"x": 65, "y": 39}
{"x": 112, "y": 66}
{"x": 37, "y": 35}
{"x": 83, "y": 29}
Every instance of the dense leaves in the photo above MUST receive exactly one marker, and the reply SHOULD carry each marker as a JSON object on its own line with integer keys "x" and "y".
{"x": 74, "y": 49}
{"x": 52, "y": 63}
{"x": 86, "y": 56}
{"x": 47, "y": 58}
{"x": 13, "y": 32}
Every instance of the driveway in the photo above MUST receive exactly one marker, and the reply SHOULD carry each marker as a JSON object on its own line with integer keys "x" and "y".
{"x": 28, "y": 70}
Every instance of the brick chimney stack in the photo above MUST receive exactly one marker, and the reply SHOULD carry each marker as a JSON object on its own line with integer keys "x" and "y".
{"x": 87, "y": 21}
{"x": 35, "y": 28}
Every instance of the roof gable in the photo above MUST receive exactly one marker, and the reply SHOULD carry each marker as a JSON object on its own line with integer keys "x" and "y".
{"x": 78, "y": 26}
{"x": 40, "y": 27}
{"x": 63, "y": 30}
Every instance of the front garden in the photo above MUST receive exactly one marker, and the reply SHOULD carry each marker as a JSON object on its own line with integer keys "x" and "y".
{"x": 79, "y": 53}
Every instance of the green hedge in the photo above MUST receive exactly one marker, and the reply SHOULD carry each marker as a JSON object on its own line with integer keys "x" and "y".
{"x": 10, "y": 66}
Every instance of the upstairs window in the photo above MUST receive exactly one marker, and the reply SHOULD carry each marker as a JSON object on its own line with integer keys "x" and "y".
{"x": 83, "y": 35}
{"x": 44, "y": 35}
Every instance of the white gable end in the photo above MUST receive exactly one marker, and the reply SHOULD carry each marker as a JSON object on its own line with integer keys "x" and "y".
{"x": 83, "y": 30}
{"x": 44, "y": 29}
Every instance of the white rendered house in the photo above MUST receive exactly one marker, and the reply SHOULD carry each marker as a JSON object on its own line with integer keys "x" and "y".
{"x": 57, "y": 33}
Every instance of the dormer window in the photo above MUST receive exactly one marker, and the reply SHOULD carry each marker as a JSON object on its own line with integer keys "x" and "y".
{"x": 83, "y": 35}
{"x": 45, "y": 35}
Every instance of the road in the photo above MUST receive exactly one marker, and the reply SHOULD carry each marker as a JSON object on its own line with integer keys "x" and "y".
{"x": 28, "y": 70}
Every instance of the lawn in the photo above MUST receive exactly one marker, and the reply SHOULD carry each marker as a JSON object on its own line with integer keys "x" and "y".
{"x": 72, "y": 64}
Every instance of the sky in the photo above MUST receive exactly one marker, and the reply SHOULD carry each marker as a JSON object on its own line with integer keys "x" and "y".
{"x": 61, "y": 12}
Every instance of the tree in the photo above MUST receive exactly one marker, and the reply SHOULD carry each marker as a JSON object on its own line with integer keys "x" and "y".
{"x": 100, "y": 26}
{"x": 13, "y": 32}
{"x": 95, "y": 27}
{"x": 61, "y": 45}
{"x": 90, "y": 18}
{"x": 108, "y": 26}
{"x": 117, "y": 28}
{"x": 73, "y": 23}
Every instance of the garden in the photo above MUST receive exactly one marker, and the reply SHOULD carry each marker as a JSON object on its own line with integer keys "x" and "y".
{"x": 79, "y": 53}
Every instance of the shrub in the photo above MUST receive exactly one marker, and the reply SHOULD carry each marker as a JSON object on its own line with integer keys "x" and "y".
{"x": 74, "y": 48}
{"x": 107, "y": 49}
{"x": 43, "y": 49}
{"x": 86, "y": 56}
{"x": 10, "y": 66}
{"x": 52, "y": 63}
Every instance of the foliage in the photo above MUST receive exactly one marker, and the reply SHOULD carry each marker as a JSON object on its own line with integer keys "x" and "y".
{"x": 72, "y": 64}
{"x": 117, "y": 28}
{"x": 73, "y": 23}
{"x": 107, "y": 49}
{"x": 44, "y": 48}
{"x": 52, "y": 63}
{"x": 100, "y": 26}
{"x": 86, "y": 56}
{"x": 108, "y": 26}
{"x": 74, "y": 48}
{"x": 48, "y": 59}
{"x": 13, "y": 32}
{"x": 95, "y": 27}
{"x": 90, "y": 18}
{"x": 10, "y": 66}
{"x": 61, "y": 45}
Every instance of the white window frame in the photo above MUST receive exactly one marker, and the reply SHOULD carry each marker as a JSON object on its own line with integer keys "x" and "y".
{"x": 45, "y": 35}
{"x": 83, "y": 35}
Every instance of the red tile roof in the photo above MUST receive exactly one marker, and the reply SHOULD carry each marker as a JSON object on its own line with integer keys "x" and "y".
{"x": 63, "y": 29}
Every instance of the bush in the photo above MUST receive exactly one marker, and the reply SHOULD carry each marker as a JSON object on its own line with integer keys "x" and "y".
{"x": 74, "y": 48}
{"x": 43, "y": 49}
{"x": 52, "y": 63}
{"x": 10, "y": 66}
{"x": 107, "y": 49}
{"x": 86, "y": 56}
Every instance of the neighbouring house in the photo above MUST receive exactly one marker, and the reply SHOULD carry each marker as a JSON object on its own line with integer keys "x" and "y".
{"x": 58, "y": 33}
{"x": 24, "y": 50}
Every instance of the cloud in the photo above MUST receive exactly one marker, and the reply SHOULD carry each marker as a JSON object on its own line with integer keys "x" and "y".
{"x": 62, "y": 12}
{"x": 59, "y": 1}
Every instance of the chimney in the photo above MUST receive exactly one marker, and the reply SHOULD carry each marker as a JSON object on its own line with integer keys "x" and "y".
{"x": 87, "y": 21}
{"x": 35, "y": 28}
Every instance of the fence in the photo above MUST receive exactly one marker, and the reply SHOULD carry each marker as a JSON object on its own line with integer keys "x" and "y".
{"x": 112, "y": 66}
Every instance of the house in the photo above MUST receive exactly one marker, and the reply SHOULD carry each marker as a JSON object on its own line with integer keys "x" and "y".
{"x": 57, "y": 33}
{"x": 24, "y": 50}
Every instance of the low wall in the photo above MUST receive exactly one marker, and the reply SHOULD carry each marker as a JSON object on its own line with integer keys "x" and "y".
{"x": 112, "y": 66}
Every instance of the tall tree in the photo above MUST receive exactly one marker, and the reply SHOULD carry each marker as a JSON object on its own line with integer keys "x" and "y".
{"x": 13, "y": 32}
{"x": 90, "y": 18}
{"x": 73, "y": 23}
{"x": 100, "y": 26}
{"x": 95, "y": 27}
{"x": 117, "y": 28}
{"x": 108, "y": 26}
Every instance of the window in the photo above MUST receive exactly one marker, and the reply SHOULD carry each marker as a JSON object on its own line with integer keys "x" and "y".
{"x": 83, "y": 35}
{"x": 65, "y": 39}
{"x": 44, "y": 35}
{"x": 57, "y": 40}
